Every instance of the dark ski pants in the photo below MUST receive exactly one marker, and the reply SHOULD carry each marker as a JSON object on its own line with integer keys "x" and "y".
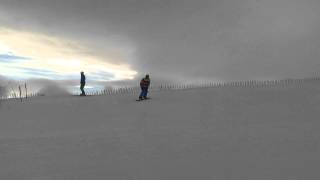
{"x": 82, "y": 89}
{"x": 144, "y": 92}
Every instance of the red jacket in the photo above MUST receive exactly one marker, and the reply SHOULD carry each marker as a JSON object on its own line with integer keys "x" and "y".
{"x": 145, "y": 83}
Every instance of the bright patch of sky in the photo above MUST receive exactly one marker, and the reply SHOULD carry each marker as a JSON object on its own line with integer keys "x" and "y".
{"x": 25, "y": 55}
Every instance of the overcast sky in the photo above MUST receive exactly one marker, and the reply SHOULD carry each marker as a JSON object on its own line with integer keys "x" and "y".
{"x": 170, "y": 39}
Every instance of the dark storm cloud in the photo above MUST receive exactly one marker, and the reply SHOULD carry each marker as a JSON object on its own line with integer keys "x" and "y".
{"x": 186, "y": 39}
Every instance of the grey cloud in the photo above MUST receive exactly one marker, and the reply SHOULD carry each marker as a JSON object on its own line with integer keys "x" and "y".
{"x": 3, "y": 87}
{"x": 186, "y": 40}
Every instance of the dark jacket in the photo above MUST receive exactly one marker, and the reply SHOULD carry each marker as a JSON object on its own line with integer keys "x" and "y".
{"x": 145, "y": 83}
{"x": 83, "y": 79}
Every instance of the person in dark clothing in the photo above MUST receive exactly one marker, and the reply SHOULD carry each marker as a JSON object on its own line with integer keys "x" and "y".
{"x": 82, "y": 84}
{"x": 144, "y": 84}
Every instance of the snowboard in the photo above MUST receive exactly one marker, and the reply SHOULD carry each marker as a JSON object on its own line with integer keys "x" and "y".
{"x": 143, "y": 99}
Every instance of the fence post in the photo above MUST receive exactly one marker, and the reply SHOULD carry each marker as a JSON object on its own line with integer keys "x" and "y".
{"x": 20, "y": 93}
{"x": 25, "y": 86}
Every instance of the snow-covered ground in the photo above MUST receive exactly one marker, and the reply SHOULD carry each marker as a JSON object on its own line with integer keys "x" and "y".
{"x": 204, "y": 134}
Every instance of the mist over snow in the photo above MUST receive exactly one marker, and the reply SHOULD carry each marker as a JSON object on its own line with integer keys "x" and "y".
{"x": 53, "y": 90}
{"x": 3, "y": 89}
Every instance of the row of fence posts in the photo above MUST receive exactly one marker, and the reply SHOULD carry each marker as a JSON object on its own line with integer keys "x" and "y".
{"x": 239, "y": 84}
{"x": 23, "y": 90}
{"x": 21, "y": 94}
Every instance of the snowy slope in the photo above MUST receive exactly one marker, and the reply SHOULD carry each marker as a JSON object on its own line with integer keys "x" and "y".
{"x": 220, "y": 133}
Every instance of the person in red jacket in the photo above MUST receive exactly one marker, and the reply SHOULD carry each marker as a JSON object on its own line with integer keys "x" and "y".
{"x": 144, "y": 84}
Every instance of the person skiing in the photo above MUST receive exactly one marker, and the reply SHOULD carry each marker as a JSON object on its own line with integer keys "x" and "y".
{"x": 82, "y": 83}
{"x": 144, "y": 85}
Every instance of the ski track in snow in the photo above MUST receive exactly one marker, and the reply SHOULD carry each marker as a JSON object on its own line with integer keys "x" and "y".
{"x": 220, "y": 133}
